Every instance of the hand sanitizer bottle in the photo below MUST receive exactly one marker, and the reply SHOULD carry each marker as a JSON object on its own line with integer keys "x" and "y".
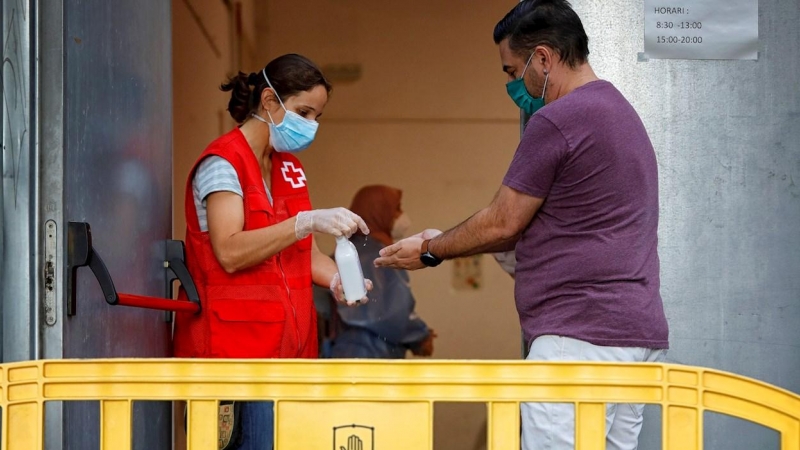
{"x": 350, "y": 270}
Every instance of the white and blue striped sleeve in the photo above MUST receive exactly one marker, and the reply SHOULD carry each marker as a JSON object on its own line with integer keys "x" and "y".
{"x": 214, "y": 174}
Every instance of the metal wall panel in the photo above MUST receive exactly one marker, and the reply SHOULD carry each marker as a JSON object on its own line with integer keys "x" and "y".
{"x": 50, "y": 125}
{"x": 86, "y": 137}
{"x": 118, "y": 146}
{"x": 87, "y": 116}
{"x": 19, "y": 179}
{"x": 727, "y": 137}
{"x": 2, "y": 197}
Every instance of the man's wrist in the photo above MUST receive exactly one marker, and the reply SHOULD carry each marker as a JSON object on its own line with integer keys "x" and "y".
{"x": 427, "y": 257}
{"x": 430, "y": 247}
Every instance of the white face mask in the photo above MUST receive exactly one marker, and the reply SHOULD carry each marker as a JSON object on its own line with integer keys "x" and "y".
{"x": 401, "y": 227}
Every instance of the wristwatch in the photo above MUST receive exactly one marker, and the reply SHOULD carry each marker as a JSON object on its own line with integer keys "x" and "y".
{"x": 428, "y": 258}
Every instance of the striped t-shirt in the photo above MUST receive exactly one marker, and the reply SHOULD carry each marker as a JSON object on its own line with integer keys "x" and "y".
{"x": 215, "y": 174}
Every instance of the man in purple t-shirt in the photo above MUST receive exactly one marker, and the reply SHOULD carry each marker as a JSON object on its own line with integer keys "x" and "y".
{"x": 580, "y": 206}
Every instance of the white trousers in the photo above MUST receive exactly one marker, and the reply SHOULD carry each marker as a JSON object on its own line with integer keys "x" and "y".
{"x": 551, "y": 426}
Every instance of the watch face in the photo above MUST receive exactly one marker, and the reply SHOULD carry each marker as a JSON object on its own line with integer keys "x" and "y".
{"x": 429, "y": 260}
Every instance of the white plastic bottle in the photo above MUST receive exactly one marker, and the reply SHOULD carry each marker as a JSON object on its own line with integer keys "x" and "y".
{"x": 350, "y": 270}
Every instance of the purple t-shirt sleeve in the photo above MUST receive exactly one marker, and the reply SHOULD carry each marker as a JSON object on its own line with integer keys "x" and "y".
{"x": 538, "y": 158}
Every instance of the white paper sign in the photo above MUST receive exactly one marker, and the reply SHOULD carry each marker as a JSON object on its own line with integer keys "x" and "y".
{"x": 701, "y": 29}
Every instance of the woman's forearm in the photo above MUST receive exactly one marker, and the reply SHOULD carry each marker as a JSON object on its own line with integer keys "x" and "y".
{"x": 323, "y": 268}
{"x": 247, "y": 248}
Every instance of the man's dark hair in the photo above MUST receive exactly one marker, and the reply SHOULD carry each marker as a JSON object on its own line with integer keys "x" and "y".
{"x": 545, "y": 22}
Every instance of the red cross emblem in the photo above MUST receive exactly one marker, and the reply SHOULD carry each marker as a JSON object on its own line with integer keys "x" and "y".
{"x": 295, "y": 176}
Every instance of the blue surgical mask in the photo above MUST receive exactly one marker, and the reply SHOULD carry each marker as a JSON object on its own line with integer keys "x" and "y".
{"x": 294, "y": 134}
{"x": 519, "y": 93}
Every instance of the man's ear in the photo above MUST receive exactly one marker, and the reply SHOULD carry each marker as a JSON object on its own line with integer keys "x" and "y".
{"x": 543, "y": 56}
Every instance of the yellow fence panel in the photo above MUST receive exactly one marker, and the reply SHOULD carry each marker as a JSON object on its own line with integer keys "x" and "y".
{"x": 503, "y": 427}
{"x": 385, "y": 405}
{"x": 116, "y": 422}
{"x": 202, "y": 425}
{"x": 352, "y": 425}
{"x": 590, "y": 433}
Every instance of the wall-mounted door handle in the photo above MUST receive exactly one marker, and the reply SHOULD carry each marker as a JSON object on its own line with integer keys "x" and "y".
{"x": 81, "y": 253}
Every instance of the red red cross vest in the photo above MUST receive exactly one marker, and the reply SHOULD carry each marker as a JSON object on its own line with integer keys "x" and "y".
{"x": 265, "y": 311}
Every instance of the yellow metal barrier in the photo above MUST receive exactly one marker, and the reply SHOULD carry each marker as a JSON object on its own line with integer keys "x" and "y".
{"x": 385, "y": 405}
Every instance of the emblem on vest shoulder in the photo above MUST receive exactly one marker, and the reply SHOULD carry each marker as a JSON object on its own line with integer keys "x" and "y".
{"x": 293, "y": 175}
{"x": 353, "y": 437}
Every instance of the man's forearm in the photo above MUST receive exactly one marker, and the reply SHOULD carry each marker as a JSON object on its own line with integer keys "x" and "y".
{"x": 493, "y": 229}
{"x": 504, "y": 246}
{"x": 478, "y": 234}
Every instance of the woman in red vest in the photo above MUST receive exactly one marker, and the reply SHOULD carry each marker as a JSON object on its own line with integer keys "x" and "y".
{"x": 249, "y": 225}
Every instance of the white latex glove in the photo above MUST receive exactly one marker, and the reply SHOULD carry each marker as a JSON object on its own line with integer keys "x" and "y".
{"x": 334, "y": 221}
{"x": 338, "y": 290}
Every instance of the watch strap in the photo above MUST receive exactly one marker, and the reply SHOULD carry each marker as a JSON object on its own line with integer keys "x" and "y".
{"x": 424, "y": 248}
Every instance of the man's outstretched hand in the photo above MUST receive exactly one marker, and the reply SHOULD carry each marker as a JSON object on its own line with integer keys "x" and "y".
{"x": 405, "y": 254}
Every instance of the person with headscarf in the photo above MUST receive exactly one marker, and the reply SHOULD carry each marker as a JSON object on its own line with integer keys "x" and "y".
{"x": 387, "y": 326}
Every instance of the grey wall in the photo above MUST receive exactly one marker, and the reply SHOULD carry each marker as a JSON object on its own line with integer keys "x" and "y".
{"x": 118, "y": 146}
{"x": 19, "y": 175}
{"x": 87, "y": 136}
{"x": 727, "y": 137}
